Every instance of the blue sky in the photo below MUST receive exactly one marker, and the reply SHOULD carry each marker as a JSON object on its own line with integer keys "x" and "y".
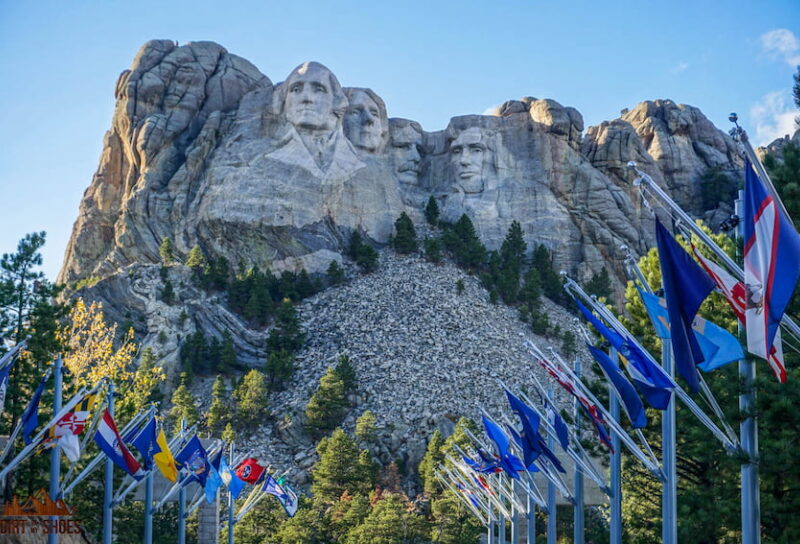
{"x": 429, "y": 60}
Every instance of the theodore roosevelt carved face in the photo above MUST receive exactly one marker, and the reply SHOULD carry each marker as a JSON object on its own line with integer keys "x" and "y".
{"x": 405, "y": 149}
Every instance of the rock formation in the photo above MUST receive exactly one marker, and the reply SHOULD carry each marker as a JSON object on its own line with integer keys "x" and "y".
{"x": 204, "y": 150}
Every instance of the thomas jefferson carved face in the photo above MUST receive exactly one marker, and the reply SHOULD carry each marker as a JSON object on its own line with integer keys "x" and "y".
{"x": 362, "y": 121}
{"x": 467, "y": 154}
{"x": 310, "y": 98}
{"x": 405, "y": 151}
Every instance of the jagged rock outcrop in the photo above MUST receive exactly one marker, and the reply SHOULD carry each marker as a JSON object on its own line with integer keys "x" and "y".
{"x": 204, "y": 150}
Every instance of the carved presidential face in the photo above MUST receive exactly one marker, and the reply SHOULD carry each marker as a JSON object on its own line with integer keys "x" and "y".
{"x": 362, "y": 121}
{"x": 309, "y": 102}
{"x": 405, "y": 153}
{"x": 467, "y": 154}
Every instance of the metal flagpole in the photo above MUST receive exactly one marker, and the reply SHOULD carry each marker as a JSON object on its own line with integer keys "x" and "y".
{"x": 578, "y": 492}
{"x": 182, "y": 497}
{"x": 108, "y": 496}
{"x": 616, "y": 465}
{"x": 230, "y": 505}
{"x": 148, "y": 499}
{"x": 531, "y": 516}
{"x": 501, "y": 527}
{"x": 748, "y": 428}
{"x": 516, "y": 519}
{"x": 552, "y": 530}
{"x": 55, "y": 455}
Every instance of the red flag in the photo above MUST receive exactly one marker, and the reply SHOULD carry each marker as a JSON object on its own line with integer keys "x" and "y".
{"x": 249, "y": 470}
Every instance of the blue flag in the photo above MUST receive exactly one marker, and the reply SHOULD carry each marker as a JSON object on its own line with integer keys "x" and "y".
{"x": 686, "y": 286}
{"x": 508, "y": 461}
{"x": 230, "y": 479}
{"x": 516, "y": 463}
{"x": 771, "y": 264}
{"x": 631, "y": 401}
{"x": 558, "y": 423}
{"x": 194, "y": 459}
{"x": 550, "y": 455}
{"x": 30, "y": 417}
{"x": 650, "y": 380}
{"x": 529, "y": 436}
{"x": 145, "y": 442}
{"x": 719, "y": 347}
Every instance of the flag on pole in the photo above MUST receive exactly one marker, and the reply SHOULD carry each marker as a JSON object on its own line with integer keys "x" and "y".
{"x": 145, "y": 442}
{"x": 30, "y": 417}
{"x": 650, "y": 380}
{"x": 249, "y": 470}
{"x": 558, "y": 424}
{"x": 487, "y": 464}
{"x": 283, "y": 492}
{"x": 630, "y": 400}
{"x": 719, "y": 347}
{"x": 686, "y": 286}
{"x": 214, "y": 480}
{"x": 508, "y": 461}
{"x": 194, "y": 459}
{"x": 734, "y": 292}
{"x": 110, "y": 442}
{"x": 529, "y": 435}
{"x": 66, "y": 430}
{"x": 4, "y": 373}
{"x": 594, "y": 413}
{"x": 231, "y": 480}
{"x": 163, "y": 459}
{"x": 771, "y": 263}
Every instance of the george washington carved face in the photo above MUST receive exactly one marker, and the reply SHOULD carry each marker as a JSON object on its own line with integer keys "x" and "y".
{"x": 312, "y": 98}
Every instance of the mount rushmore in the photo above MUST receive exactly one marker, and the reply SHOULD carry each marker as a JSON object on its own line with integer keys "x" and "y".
{"x": 205, "y": 150}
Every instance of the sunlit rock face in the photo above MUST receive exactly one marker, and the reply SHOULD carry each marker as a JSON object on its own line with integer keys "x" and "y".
{"x": 205, "y": 150}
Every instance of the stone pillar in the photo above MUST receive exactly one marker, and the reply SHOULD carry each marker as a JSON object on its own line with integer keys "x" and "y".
{"x": 208, "y": 522}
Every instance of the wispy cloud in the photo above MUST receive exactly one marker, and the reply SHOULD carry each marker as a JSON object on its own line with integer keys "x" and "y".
{"x": 783, "y": 44}
{"x": 773, "y": 117}
{"x": 678, "y": 68}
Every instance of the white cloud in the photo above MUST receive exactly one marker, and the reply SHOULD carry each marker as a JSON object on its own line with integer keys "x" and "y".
{"x": 773, "y": 117}
{"x": 782, "y": 43}
{"x": 490, "y": 110}
{"x": 678, "y": 68}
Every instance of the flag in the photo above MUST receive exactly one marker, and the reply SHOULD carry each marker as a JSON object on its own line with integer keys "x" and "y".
{"x": 194, "y": 459}
{"x": 529, "y": 435}
{"x": 110, "y": 442}
{"x": 562, "y": 432}
{"x": 594, "y": 413}
{"x": 650, "y": 380}
{"x": 771, "y": 263}
{"x": 508, "y": 461}
{"x": 469, "y": 494}
{"x": 483, "y": 466}
{"x": 249, "y": 470}
{"x": 630, "y": 400}
{"x": 30, "y": 417}
{"x": 550, "y": 456}
{"x": 231, "y": 480}
{"x": 283, "y": 492}
{"x": 719, "y": 347}
{"x": 214, "y": 480}
{"x": 66, "y": 430}
{"x": 734, "y": 292}
{"x": 163, "y": 458}
{"x": 516, "y": 463}
{"x": 4, "y": 384}
{"x": 145, "y": 442}
{"x": 686, "y": 286}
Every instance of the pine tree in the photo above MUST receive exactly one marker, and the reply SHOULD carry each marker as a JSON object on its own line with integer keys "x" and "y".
{"x": 219, "y": 411}
{"x": 390, "y": 521}
{"x": 326, "y": 408}
{"x": 251, "y": 398}
{"x": 227, "y": 355}
{"x": 434, "y": 456}
{"x": 363, "y": 254}
{"x": 184, "y": 406}
{"x": 531, "y": 292}
{"x": 512, "y": 259}
{"x": 600, "y": 284}
{"x": 463, "y": 243}
{"x": 304, "y": 286}
{"x": 459, "y": 286}
{"x": 286, "y": 334}
{"x": 347, "y": 373}
{"x": 405, "y": 238}
{"x": 335, "y": 273}
{"x": 568, "y": 348}
{"x": 196, "y": 260}
{"x": 279, "y": 368}
{"x": 551, "y": 283}
{"x": 366, "y": 432}
{"x": 340, "y": 468}
{"x": 166, "y": 251}
{"x": 228, "y": 434}
{"x": 168, "y": 293}
{"x": 433, "y": 250}
{"x": 432, "y": 212}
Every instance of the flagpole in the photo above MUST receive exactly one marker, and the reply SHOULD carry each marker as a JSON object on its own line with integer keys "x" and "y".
{"x": 231, "y": 520}
{"x": 531, "y": 515}
{"x": 748, "y": 428}
{"x": 108, "y": 495}
{"x": 552, "y": 530}
{"x": 616, "y": 464}
{"x": 577, "y": 537}
{"x": 148, "y": 498}
{"x": 55, "y": 455}
{"x": 182, "y": 497}
{"x": 516, "y": 518}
